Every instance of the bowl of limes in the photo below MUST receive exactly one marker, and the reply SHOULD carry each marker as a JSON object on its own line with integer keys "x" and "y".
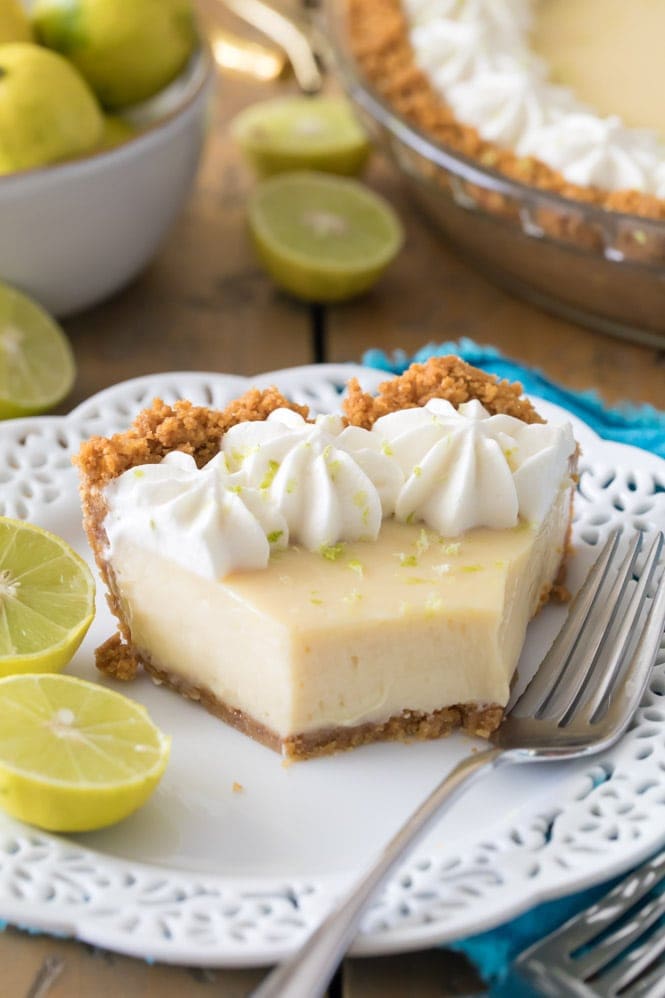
{"x": 103, "y": 111}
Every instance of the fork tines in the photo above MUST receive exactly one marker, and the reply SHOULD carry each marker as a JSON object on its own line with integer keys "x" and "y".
{"x": 614, "y": 948}
{"x": 592, "y": 651}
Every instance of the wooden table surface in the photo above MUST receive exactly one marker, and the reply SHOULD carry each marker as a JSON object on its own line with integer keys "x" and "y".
{"x": 205, "y": 304}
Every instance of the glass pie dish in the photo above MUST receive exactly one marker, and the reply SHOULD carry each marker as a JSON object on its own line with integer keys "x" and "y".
{"x": 601, "y": 268}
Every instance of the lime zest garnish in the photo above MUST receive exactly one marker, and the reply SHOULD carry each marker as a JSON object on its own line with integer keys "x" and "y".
{"x": 273, "y": 468}
{"x": 407, "y": 560}
{"x": 422, "y": 544}
{"x": 333, "y": 468}
{"x": 448, "y": 547}
{"x": 332, "y": 551}
{"x": 353, "y": 597}
{"x": 356, "y": 566}
{"x": 274, "y": 536}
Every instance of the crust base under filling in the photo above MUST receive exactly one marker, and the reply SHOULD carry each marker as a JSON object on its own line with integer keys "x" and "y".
{"x": 407, "y": 726}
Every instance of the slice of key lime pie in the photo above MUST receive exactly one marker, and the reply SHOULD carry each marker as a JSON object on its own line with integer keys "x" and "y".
{"x": 322, "y": 583}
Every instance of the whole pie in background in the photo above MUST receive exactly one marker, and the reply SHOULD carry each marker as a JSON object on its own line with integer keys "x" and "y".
{"x": 563, "y": 95}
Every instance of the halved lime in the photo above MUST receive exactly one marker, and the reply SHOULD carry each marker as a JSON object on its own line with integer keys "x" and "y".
{"x": 322, "y": 238}
{"x": 75, "y": 756}
{"x": 37, "y": 365}
{"x": 301, "y": 133}
{"x": 47, "y": 599}
{"x": 116, "y": 131}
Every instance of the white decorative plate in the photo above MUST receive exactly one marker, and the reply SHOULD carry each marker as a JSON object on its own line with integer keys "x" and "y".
{"x": 205, "y": 875}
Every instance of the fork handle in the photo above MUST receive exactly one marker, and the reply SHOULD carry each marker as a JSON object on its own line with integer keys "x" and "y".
{"x": 307, "y": 973}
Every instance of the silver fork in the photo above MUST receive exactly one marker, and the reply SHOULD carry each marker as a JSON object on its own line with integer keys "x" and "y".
{"x": 580, "y": 702}
{"x": 613, "y": 948}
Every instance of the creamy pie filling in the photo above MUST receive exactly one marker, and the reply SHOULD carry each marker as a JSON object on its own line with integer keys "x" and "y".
{"x": 412, "y": 621}
{"x": 609, "y": 52}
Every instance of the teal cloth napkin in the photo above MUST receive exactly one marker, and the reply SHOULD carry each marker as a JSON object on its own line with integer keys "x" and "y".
{"x": 640, "y": 425}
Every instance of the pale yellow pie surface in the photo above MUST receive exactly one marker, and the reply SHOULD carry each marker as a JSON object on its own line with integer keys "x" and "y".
{"x": 411, "y": 622}
{"x": 610, "y": 53}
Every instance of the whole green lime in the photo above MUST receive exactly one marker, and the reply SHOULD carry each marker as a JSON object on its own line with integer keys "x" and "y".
{"x": 14, "y": 23}
{"x": 47, "y": 110}
{"x": 127, "y": 50}
{"x": 117, "y": 130}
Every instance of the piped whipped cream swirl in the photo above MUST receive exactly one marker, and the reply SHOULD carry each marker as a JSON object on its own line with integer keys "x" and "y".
{"x": 203, "y": 519}
{"x": 287, "y": 481}
{"x": 464, "y": 468}
{"x": 478, "y": 56}
{"x": 330, "y": 482}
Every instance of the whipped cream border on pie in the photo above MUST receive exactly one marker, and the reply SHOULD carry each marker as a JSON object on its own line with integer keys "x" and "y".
{"x": 464, "y": 72}
{"x": 212, "y": 499}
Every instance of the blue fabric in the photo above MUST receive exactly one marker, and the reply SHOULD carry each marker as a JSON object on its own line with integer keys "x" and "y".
{"x": 640, "y": 425}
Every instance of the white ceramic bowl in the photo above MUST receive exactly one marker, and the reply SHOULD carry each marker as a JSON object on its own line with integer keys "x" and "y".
{"x": 73, "y": 233}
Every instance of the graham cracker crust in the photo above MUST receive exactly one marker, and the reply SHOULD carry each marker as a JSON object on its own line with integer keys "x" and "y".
{"x": 408, "y": 726}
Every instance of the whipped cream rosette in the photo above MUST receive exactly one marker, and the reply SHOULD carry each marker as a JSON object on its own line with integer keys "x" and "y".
{"x": 452, "y": 51}
{"x": 510, "y": 100}
{"x": 330, "y": 483}
{"x": 201, "y": 518}
{"x": 589, "y": 150}
{"x": 464, "y": 468}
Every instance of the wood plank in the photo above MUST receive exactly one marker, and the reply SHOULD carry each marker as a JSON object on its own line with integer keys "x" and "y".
{"x": 429, "y": 295}
{"x": 44, "y": 967}
{"x": 428, "y": 974}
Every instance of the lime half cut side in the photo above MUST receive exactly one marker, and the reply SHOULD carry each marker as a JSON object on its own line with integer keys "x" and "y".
{"x": 75, "y": 756}
{"x": 320, "y": 237}
{"x": 302, "y": 133}
{"x": 47, "y": 599}
{"x": 37, "y": 367}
